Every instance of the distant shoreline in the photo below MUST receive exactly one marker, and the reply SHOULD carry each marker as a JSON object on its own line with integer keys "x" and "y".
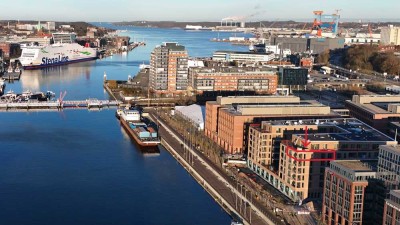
{"x": 265, "y": 24}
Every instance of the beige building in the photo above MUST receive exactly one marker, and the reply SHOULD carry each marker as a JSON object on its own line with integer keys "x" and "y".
{"x": 278, "y": 153}
{"x": 346, "y": 195}
{"x": 389, "y": 166}
{"x": 391, "y": 212}
{"x": 375, "y": 110}
{"x": 390, "y": 35}
{"x": 227, "y": 119}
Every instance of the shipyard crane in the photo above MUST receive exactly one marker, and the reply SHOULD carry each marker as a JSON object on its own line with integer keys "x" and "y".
{"x": 317, "y": 22}
{"x": 330, "y": 22}
{"x": 337, "y": 11}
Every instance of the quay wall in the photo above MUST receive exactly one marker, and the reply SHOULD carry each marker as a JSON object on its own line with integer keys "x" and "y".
{"x": 217, "y": 197}
{"x": 259, "y": 216}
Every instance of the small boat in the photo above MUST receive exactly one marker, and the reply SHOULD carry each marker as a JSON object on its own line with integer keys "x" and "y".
{"x": 17, "y": 70}
{"x": 10, "y": 69}
{"x": 144, "y": 66}
{"x": 9, "y": 96}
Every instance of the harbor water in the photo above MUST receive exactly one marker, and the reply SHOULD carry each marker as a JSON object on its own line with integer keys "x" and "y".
{"x": 80, "y": 166}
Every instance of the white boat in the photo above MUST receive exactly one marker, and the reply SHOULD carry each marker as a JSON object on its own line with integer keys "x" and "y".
{"x": 60, "y": 53}
{"x": 10, "y": 95}
{"x": 17, "y": 70}
{"x": 144, "y": 66}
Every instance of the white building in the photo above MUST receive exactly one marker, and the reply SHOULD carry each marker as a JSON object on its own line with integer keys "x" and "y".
{"x": 25, "y": 26}
{"x": 363, "y": 38}
{"x": 194, "y": 113}
{"x": 229, "y": 56}
{"x": 51, "y": 26}
{"x": 390, "y": 35}
{"x": 195, "y": 63}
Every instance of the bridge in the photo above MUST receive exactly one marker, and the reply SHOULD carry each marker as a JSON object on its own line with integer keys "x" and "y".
{"x": 89, "y": 103}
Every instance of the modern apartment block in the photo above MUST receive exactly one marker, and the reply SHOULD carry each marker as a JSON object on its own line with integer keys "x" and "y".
{"x": 233, "y": 79}
{"x": 391, "y": 213}
{"x": 389, "y": 166}
{"x": 228, "y": 119}
{"x": 169, "y": 69}
{"x": 350, "y": 193}
{"x": 390, "y": 35}
{"x": 293, "y": 160}
{"x": 375, "y": 110}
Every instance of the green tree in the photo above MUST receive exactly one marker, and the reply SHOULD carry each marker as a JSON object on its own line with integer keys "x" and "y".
{"x": 323, "y": 57}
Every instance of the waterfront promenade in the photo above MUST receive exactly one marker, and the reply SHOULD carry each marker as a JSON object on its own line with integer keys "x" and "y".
{"x": 230, "y": 191}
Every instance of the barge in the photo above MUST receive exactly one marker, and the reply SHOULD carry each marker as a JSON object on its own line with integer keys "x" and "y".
{"x": 143, "y": 134}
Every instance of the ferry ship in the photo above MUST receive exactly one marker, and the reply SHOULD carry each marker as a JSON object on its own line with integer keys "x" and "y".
{"x": 141, "y": 132}
{"x": 197, "y": 28}
{"x": 64, "y": 51}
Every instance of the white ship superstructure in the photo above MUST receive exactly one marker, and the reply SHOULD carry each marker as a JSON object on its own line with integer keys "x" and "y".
{"x": 34, "y": 57}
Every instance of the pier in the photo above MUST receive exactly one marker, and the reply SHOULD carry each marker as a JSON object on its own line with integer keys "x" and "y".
{"x": 10, "y": 77}
{"x": 90, "y": 103}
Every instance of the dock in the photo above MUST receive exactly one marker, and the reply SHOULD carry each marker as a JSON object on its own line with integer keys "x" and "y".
{"x": 90, "y": 103}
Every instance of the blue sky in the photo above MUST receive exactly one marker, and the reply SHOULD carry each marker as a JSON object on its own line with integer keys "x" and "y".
{"x": 193, "y": 10}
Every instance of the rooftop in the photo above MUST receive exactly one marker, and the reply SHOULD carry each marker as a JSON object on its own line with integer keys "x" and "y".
{"x": 276, "y": 108}
{"x": 377, "y": 104}
{"x": 357, "y": 165}
{"x": 242, "y": 53}
{"x": 337, "y": 129}
{"x": 257, "y": 99}
{"x": 392, "y": 148}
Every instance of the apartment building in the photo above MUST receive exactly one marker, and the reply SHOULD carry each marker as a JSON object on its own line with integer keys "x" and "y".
{"x": 168, "y": 69}
{"x": 233, "y": 79}
{"x": 391, "y": 212}
{"x": 293, "y": 160}
{"x": 389, "y": 166}
{"x": 350, "y": 193}
{"x": 390, "y": 35}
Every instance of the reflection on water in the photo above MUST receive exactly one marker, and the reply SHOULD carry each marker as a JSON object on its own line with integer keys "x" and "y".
{"x": 35, "y": 79}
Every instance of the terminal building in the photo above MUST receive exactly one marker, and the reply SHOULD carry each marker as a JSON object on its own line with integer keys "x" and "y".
{"x": 315, "y": 45}
{"x": 228, "y": 118}
{"x": 293, "y": 161}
